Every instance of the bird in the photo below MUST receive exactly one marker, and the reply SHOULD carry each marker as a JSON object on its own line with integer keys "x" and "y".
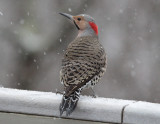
{"x": 83, "y": 64}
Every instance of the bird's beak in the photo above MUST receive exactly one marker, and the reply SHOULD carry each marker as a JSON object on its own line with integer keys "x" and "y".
{"x": 70, "y": 17}
{"x": 67, "y": 15}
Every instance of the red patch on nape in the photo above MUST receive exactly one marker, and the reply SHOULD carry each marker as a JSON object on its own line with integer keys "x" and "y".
{"x": 94, "y": 27}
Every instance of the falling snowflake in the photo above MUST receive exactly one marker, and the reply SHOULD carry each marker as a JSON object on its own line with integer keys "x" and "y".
{"x": 1, "y": 13}
{"x": 28, "y": 13}
{"x": 60, "y": 40}
{"x": 35, "y": 60}
{"x": 69, "y": 9}
{"x": 121, "y": 11}
{"x": 37, "y": 67}
{"x": 45, "y": 53}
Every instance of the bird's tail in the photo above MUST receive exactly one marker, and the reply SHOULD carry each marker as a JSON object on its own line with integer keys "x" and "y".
{"x": 69, "y": 103}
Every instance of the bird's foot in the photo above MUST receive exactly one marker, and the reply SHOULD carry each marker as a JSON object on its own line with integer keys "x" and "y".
{"x": 94, "y": 96}
{"x": 93, "y": 93}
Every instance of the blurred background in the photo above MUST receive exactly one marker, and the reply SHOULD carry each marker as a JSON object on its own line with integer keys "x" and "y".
{"x": 33, "y": 38}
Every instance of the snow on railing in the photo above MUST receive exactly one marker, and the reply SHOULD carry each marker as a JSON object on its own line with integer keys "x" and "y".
{"x": 92, "y": 109}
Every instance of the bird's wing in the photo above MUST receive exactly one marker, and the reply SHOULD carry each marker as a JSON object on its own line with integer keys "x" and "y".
{"x": 77, "y": 73}
{"x": 84, "y": 58}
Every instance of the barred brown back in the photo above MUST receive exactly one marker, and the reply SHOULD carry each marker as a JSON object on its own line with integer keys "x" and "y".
{"x": 84, "y": 59}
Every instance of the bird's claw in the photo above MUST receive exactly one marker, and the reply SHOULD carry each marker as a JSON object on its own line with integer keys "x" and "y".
{"x": 93, "y": 93}
{"x": 94, "y": 96}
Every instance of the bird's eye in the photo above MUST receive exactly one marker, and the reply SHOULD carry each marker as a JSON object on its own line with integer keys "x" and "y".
{"x": 79, "y": 19}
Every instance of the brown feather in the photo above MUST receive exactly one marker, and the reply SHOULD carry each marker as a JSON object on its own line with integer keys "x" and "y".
{"x": 83, "y": 60}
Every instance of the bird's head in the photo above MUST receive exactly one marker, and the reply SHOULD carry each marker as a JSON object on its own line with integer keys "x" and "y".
{"x": 84, "y": 23}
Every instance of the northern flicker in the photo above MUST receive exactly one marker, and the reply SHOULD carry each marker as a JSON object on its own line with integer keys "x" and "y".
{"x": 84, "y": 62}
